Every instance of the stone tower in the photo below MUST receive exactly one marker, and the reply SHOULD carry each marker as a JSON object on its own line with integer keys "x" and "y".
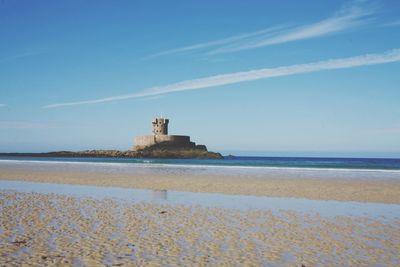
{"x": 160, "y": 126}
{"x": 160, "y": 139}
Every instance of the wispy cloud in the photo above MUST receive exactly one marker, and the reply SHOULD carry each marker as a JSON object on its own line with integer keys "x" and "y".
{"x": 350, "y": 16}
{"x": 21, "y": 55}
{"x": 237, "y": 77}
{"x": 23, "y": 125}
{"x": 347, "y": 18}
{"x": 393, "y": 23}
{"x": 228, "y": 40}
{"x": 2, "y": 105}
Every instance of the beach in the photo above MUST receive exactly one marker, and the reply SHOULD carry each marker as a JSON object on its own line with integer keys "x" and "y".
{"x": 312, "y": 188}
{"x": 78, "y": 214}
{"x": 200, "y": 133}
{"x": 48, "y": 229}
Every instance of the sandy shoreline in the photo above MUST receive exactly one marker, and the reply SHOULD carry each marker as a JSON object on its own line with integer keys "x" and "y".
{"x": 311, "y": 188}
{"x": 50, "y": 229}
{"x": 55, "y": 230}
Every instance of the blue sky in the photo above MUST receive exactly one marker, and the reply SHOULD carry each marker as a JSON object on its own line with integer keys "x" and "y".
{"x": 245, "y": 77}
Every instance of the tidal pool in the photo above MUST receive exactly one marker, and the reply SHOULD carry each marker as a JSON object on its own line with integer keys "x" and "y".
{"x": 241, "y": 202}
{"x": 57, "y": 224}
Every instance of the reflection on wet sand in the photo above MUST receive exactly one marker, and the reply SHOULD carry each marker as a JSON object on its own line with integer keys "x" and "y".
{"x": 160, "y": 195}
{"x": 373, "y": 190}
{"x": 51, "y": 229}
{"x": 329, "y": 208}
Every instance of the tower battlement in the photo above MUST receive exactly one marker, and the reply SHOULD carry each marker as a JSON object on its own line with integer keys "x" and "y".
{"x": 160, "y": 126}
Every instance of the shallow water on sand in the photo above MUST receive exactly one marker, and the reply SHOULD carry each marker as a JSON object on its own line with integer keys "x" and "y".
{"x": 328, "y": 208}
{"x": 55, "y": 225}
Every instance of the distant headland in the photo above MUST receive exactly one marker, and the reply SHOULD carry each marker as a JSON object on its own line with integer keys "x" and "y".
{"x": 158, "y": 145}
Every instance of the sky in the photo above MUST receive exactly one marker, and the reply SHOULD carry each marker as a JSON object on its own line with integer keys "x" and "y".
{"x": 264, "y": 78}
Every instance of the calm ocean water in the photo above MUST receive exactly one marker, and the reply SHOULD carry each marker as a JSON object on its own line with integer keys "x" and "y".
{"x": 379, "y": 164}
{"x": 278, "y": 167}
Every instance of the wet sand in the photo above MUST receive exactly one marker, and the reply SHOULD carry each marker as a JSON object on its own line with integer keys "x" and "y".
{"x": 55, "y": 230}
{"x": 362, "y": 190}
{"x": 62, "y": 230}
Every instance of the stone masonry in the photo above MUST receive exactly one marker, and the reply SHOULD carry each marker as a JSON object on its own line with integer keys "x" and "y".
{"x": 160, "y": 137}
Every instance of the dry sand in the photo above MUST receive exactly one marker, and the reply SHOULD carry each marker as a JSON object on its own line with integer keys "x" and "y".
{"x": 385, "y": 191}
{"x": 52, "y": 230}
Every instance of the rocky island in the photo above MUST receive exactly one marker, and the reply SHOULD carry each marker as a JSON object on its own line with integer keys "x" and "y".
{"x": 158, "y": 145}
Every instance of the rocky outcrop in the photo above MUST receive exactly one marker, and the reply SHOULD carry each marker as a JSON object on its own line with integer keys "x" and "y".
{"x": 158, "y": 151}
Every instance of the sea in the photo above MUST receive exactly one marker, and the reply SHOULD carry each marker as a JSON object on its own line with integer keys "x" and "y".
{"x": 365, "y": 168}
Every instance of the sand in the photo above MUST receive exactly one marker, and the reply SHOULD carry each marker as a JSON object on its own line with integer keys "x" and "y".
{"x": 363, "y": 190}
{"x": 58, "y": 230}
{"x": 54, "y": 230}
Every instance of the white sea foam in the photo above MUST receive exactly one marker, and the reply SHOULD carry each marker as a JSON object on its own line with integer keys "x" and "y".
{"x": 148, "y": 164}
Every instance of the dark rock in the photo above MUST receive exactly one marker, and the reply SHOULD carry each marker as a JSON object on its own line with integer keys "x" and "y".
{"x": 19, "y": 242}
{"x": 159, "y": 151}
{"x": 201, "y": 147}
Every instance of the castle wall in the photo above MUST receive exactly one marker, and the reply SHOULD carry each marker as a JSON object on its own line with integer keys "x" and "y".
{"x": 149, "y": 140}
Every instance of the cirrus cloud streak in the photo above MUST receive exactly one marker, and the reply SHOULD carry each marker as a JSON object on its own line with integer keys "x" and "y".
{"x": 350, "y": 16}
{"x": 252, "y": 75}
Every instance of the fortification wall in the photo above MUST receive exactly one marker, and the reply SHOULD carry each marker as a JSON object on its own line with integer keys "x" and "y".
{"x": 144, "y": 141}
